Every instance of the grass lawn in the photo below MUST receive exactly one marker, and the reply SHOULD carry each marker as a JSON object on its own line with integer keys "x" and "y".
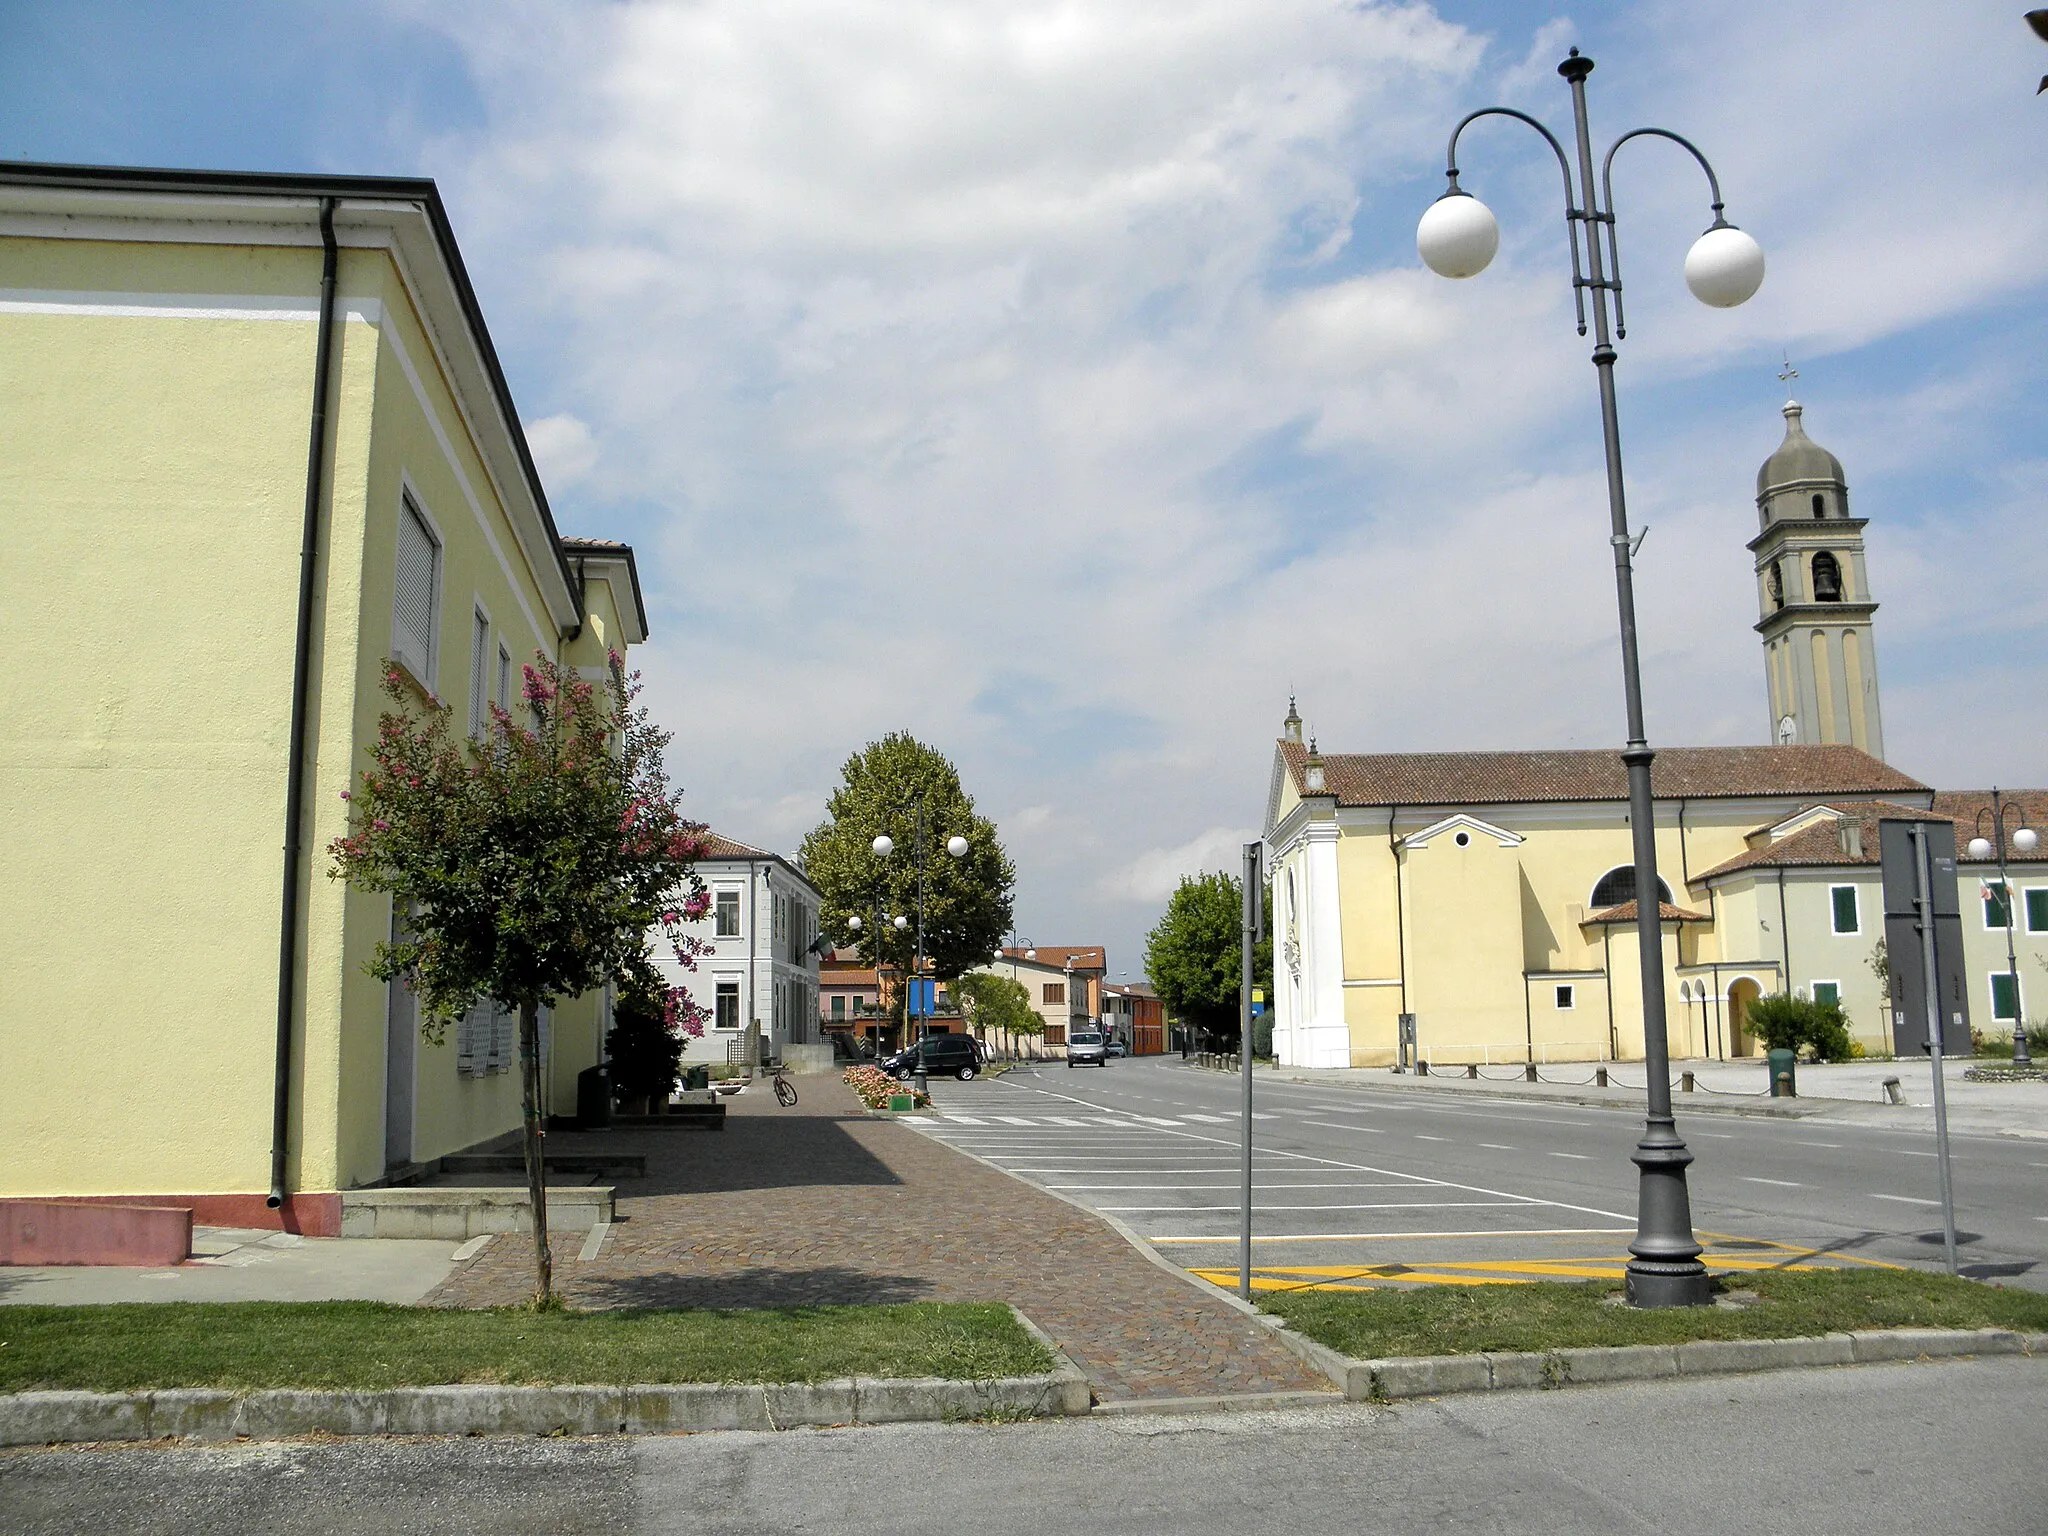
{"x": 1463, "y": 1320}
{"x": 368, "y": 1344}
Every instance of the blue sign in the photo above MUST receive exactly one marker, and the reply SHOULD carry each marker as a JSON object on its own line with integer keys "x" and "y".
{"x": 923, "y": 997}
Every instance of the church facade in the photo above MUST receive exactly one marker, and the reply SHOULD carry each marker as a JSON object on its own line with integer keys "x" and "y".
{"x": 1489, "y": 897}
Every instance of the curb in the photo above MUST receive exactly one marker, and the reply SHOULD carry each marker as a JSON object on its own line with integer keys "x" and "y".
{"x": 1788, "y": 1109}
{"x": 1441, "y": 1375}
{"x": 213, "y": 1414}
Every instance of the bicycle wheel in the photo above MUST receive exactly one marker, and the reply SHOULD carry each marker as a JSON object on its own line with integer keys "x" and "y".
{"x": 785, "y": 1092}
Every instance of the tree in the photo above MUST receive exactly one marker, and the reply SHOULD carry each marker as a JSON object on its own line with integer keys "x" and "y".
{"x": 531, "y": 863}
{"x": 991, "y": 1003}
{"x": 645, "y": 1043}
{"x": 1193, "y": 956}
{"x": 1786, "y": 1022}
{"x": 966, "y": 900}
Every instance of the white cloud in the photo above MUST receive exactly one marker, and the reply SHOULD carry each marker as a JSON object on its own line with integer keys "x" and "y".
{"x": 564, "y": 450}
{"x": 1152, "y": 876}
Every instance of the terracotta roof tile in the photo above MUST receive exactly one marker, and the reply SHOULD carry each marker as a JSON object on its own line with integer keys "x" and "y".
{"x": 2023, "y": 808}
{"x": 1626, "y": 913}
{"x": 1824, "y": 844}
{"x": 1510, "y": 778}
{"x": 1086, "y": 957}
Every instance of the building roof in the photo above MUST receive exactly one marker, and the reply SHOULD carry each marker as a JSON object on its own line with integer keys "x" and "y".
{"x": 1799, "y": 458}
{"x": 290, "y": 204}
{"x": 1847, "y": 838}
{"x": 2023, "y": 808}
{"x": 612, "y": 552}
{"x": 1512, "y": 778}
{"x": 1666, "y": 912}
{"x": 845, "y": 973}
{"x": 718, "y": 848}
{"x": 1085, "y": 957}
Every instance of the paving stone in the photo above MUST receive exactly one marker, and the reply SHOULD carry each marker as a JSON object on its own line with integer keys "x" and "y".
{"x": 824, "y": 1204}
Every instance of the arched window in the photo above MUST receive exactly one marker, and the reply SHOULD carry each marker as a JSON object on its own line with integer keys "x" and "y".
{"x": 1777, "y": 586}
{"x": 1820, "y": 505}
{"x": 1619, "y": 885}
{"x": 1827, "y": 578}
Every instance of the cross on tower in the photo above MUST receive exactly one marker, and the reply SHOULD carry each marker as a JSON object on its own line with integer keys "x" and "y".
{"x": 1787, "y": 374}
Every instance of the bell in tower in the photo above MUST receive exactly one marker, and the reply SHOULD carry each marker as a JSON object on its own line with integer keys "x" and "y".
{"x": 1813, "y": 598}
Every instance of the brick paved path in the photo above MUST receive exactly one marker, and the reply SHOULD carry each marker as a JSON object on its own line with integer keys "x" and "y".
{"x": 822, "y": 1203}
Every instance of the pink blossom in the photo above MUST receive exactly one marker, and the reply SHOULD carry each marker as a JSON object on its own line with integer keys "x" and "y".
{"x": 381, "y": 825}
{"x": 345, "y": 795}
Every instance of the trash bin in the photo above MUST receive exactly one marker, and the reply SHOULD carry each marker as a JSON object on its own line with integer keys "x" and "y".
{"x": 1784, "y": 1077}
{"x": 696, "y": 1079}
{"x": 593, "y": 1099}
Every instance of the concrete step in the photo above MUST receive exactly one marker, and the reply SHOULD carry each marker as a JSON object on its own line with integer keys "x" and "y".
{"x": 614, "y": 1165}
{"x": 462, "y": 1211}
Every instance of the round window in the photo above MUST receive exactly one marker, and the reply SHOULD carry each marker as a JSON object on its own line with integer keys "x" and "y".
{"x": 1464, "y": 839}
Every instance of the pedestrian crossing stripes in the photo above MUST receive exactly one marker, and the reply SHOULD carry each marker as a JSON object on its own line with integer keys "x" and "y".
{"x": 1070, "y": 1122}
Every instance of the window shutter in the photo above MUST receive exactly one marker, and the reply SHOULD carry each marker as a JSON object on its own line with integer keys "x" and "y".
{"x": 504, "y": 1038}
{"x": 412, "y": 620}
{"x": 466, "y": 1034}
{"x": 479, "y": 673}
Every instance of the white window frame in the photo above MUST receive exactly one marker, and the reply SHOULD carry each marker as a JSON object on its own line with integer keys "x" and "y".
{"x": 718, "y": 985}
{"x": 1565, "y": 996}
{"x": 1856, "y": 900}
{"x": 480, "y": 630}
{"x": 1984, "y": 885}
{"x": 425, "y": 667}
{"x": 718, "y": 907}
{"x": 2026, "y": 909}
{"x": 1813, "y": 989}
{"x": 2019, "y": 1002}
{"x": 503, "y": 698}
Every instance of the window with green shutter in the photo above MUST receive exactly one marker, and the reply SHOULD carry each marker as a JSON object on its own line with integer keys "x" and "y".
{"x": 2037, "y": 910}
{"x": 1997, "y": 905}
{"x": 1828, "y": 992}
{"x": 2005, "y": 1003}
{"x": 1844, "y": 901}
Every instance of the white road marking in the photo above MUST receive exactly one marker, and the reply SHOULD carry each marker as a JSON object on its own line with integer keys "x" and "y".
{"x": 1383, "y": 1237}
{"x": 1903, "y": 1152}
{"x": 1269, "y": 1188}
{"x": 1418, "y": 1138}
{"x": 1832, "y": 1146}
{"x": 1156, "y": 1120}
{"x": 1491, "y": 1146}
{"x": 970, "y": 1120}
{"x": 1577, "y": 1157}
{"x": 1369, "y": 1130}
{"x": 1069, "y": 1120}
{"x": 1211, "y": 1119}
{"x": 1397, "y": 1205}
{"x": 1781, "y": 1183}
{"x": 1906, "y": 1199}
{"x": 1019, "y": 1120}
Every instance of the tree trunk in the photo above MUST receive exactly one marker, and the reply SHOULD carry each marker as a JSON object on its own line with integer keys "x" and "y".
{"x": 536, "y": 1162}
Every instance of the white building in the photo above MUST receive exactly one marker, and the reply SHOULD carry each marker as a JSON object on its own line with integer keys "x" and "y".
{"x": 761, "y": 967}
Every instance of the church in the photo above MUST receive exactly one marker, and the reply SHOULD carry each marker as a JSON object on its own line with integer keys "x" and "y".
{"x": 1489, "y": 898}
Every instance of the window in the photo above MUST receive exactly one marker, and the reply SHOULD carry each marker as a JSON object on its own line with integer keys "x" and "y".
{"x": 1827, "y": 578}
{"x": 1820, "y": 506}
{"x": 1828, "y": 992}
{"x": 726, "y": 1009}
{"x": 1618, "y": 885}
{"x": 838, "y": 1005}
{"x": 1997, "y": 905}
{"x": 479, "y": 671}
{"x": 728, "y": 915}
{"x": 504, "y": 694}
{"x": 416, "y": 597}
{"x": 1842, "y": 898}
{"x": 2037, "y": 910}
{"x": 1567, "y": 996}
{"x": 1053, "y": 992}
{"x": 2005, "y": 1001}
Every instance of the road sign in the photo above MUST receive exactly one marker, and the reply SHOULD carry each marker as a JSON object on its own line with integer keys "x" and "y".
{"x": 1902, "y": 946}
{"x": 923, "y": 997}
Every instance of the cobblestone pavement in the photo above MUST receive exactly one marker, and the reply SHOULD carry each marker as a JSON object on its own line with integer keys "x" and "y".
{"x": 824, "y": 1204}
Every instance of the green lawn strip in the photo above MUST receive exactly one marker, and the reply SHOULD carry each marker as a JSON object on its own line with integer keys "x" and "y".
{"x": 351, "y": 1344}
{"x": 1546, "y": 1315}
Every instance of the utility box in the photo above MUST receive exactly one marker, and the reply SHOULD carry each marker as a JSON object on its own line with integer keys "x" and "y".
{"x": 1904, "y": 959}
{"x": 1405, "y": 1048}
{"x": 1784, "y": 1066}
{"x": 593, "y": 1098}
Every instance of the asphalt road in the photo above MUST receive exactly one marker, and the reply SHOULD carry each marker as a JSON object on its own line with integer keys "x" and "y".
{"x": 1354, "y": 1183}
{"x": 1951, "y": 1446}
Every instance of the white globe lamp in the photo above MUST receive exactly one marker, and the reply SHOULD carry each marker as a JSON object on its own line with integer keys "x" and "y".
{"x": 2026, "y": 840}
{"x": 956, "y": 845}
{"x": 853, "y": 923}
{"x": 1724, "y": 267}
{"x": 902, "y": 923}
{"x": 883, "y": 845}
{"x": 1980, "y": 848}
{"x": 1457, "y": 236}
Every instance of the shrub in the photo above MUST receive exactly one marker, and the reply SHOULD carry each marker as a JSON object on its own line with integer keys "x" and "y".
{"x": 1785, "y": 1022}
{"x": 876, "y": 1087}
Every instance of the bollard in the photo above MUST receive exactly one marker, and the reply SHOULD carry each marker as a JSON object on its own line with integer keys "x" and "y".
{"x": 1422, "y": 1069}
{"x": 1891, "y": 1091}
{"x": 1471, "y": 1071}
{"x": 1685, "y": 1082}
{"x": 1529, "y": 1073}
{"x": 1599, "y": 1077}
{"x": 1784, "y": 1088}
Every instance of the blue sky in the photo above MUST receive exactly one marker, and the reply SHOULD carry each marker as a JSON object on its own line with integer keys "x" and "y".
{"x": 1058, "y": 381}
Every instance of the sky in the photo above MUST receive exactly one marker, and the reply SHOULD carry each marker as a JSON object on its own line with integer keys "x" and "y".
{"x": 1057, "y": 380}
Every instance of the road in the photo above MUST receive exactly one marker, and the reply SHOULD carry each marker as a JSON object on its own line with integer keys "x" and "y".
{"x": 1375, "y": 1185}
{"x": 1956, "y": 1445}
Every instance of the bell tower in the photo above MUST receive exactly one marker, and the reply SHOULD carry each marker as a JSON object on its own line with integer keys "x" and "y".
{"x": 1813, "y": 598}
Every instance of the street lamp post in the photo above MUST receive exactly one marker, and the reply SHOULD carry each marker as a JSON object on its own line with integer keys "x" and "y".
{"x": 2024, "y": 840}
{"x": 956, "y": 847}
{"x": 1457, "y": 238}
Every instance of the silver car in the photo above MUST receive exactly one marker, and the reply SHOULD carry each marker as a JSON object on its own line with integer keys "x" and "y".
{"x": 1086, "y": 1048}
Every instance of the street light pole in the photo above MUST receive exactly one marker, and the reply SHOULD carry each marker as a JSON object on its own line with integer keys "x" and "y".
{"x": 1457, "y": 238}
{"x": 2025, "y": 839}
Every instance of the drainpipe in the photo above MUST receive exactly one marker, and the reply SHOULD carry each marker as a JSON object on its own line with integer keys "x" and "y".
{"x": 1400, "y": 916}
{"x": 1784, "y": 933}
{"x": 295, "y": 767}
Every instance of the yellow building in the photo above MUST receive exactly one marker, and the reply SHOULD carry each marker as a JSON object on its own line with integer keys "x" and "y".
{"x": 256, "y": 441}
{"x": 1489, "y": 897}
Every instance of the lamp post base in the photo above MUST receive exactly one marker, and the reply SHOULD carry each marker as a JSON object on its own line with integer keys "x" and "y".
{"x": 1666, "y": 1270}
{"x": 1668, "y": 1285}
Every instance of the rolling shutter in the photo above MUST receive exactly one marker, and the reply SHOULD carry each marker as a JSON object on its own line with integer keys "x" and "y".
{"x": 413, "y": 603}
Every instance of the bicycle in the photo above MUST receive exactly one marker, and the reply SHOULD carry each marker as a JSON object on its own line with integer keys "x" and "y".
{"x": 785, "y": 1090}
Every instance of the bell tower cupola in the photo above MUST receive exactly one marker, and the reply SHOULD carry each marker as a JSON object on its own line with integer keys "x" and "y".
{"x": 1813, "y": 599}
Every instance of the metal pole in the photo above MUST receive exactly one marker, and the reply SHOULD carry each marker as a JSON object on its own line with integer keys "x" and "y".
{"x": 1251, "y": 920}
{"x": 919, "y": 1080}
{"x": 1665, "y": 1270}
{"x": 1931, "y": 996}
{"x": 2021, "y": 1056}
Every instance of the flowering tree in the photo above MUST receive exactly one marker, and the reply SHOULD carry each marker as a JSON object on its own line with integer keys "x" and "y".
{"x": 531, "y": 863}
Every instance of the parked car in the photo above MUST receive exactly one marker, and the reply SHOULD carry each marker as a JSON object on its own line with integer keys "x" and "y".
{"x": 943, "y": 1055}
{"x": 1086, "y": 1048}
{"x": 1116, "y": 1048}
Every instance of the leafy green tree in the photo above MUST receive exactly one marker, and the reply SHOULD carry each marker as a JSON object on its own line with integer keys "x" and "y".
{"x": 645, "y": 1043}
{"x": 1785, "y": 1022}
{"x": 1193, "y": 956}
{"x": 966, "y": 899}
{"x": 993, "y": 1004}
{"x": 531, "y": 864}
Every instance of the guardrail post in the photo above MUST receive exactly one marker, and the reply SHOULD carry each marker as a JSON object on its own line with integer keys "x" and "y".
{"x": 1471, "y": 1071}
{"x": 1685, "y": 1082}
{"x": 1599, "y": 1077}
{"x": 1529, "y": 1072}
{"x": 1422, "y": 1069}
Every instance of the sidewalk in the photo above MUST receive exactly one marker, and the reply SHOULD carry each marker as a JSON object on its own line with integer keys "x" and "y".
{"x": 825, "y": 1204}
{"x": 1849, "y": 1092}
{"x": 238, "y": 1264}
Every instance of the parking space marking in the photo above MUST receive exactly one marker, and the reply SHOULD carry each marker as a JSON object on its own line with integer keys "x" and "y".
{"x": 1781, "y": 1183}
{"x": 1389, "y": 1205}
{"x": 1388, "y": 1237}
{"x": 1577, "y": 1157}
{"x": 1325, "y": 1125}
{"x": 1906, "y": 1199}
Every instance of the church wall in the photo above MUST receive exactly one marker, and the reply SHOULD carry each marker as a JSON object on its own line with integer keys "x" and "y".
{"x": 1372, "y": 1014}
{"x": 1464, "y": 949}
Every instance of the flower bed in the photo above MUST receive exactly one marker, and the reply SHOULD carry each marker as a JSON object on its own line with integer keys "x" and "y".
{"x": 877, "y": 1087}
